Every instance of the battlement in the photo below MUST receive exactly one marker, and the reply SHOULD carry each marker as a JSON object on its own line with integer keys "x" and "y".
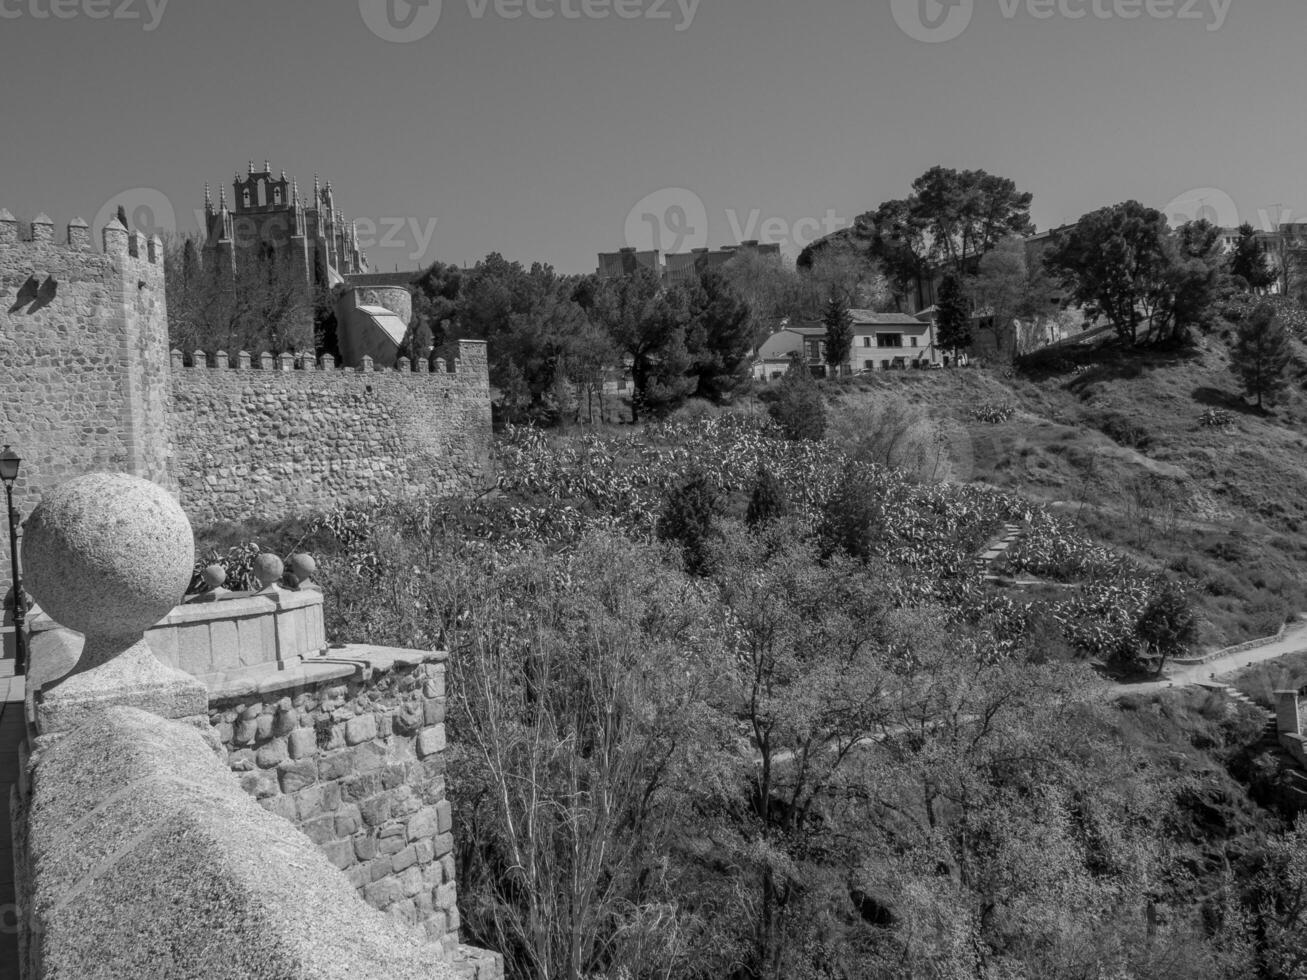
{"x": 470, "y": 363}
{"x": 115, "y": 240}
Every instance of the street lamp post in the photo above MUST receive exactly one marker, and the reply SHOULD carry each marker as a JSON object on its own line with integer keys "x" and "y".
{"x": 9, "y": 463}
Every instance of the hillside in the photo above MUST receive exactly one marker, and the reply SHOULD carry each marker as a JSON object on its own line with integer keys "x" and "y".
{"x": 1116, "y": 444}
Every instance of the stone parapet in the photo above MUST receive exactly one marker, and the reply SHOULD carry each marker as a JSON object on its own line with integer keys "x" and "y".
{"x": 354, "y": 757}
{"x": 183, "y": 875}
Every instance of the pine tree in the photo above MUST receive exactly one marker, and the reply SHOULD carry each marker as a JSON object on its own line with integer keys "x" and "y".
{"x": 1261, "y": 355}
{"x": 1249, "y": 262}
{"x": 839, "y": 334}
{"x": 954, "y": 315}
{"x": 797, "y": 406}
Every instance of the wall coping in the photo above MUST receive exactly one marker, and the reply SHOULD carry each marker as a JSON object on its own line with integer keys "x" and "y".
{"x": 340, "y": 662}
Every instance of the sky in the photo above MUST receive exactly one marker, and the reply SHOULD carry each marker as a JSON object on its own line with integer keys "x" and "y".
{"x": 551, "y": 130}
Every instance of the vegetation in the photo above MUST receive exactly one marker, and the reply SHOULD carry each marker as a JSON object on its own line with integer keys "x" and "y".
{"x": 1261, "y": 355}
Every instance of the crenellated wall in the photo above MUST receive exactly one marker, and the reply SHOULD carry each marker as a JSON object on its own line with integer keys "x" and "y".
{"x": 85, "y": 382}
{"x": 271, "y": 436}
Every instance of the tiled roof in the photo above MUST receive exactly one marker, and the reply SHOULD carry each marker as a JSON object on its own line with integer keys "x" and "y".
{"x": 868, "y": 318}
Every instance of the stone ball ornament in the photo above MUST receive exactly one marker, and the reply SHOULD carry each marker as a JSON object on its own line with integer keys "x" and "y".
{"x": 213, "y": 576}
{"x": 108, "y": 555}
{"x": 303, "y": 567}
{"x": 268, "y": 570}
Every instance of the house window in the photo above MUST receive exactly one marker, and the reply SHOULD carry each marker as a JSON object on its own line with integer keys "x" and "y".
{"x": 889, "y": 340}
{"x": 866, "y": 341}
{"x": 914, "y": 341}
{"x": 868, "y": 365}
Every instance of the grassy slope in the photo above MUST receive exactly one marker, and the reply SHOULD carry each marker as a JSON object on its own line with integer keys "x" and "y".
{"x": 1224, "y": 509}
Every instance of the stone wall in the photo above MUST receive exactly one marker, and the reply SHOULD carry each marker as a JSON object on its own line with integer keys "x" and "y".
{"x": 138, "y": 856}
{"x": 279, "y": 436}
{"x": 356, "y": 762}
{"x": 84, "y": 370}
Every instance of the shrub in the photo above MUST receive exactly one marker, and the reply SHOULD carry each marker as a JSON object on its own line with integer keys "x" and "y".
{"x": 1215, "y": 418}
{"x": 797, "y": 406}
{"x": 1122, "y": 429}
{"x": 687, "y": 520}
{"x": 768, "y": 501}
{"x": 993, "y": 412}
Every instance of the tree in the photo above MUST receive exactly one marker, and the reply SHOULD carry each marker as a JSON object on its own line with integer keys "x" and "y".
{"x": 839, "y": 335}
{"x": 257, "y": 303}
{"x": 1261, "y": 355}
{"x": 1167, "y": 627}
{"x": 1115, "y": 263}
{"x": 647, "y": 323}
{"x": 687, "y": 520}
{"x": 1250, "y": 261}
{"x": 1007, "y": 291}
{"x": 719, "y": 336}
{"x": 796, "y": 405}
{"x": 1195, "y": 280}
{"x": 966, "y": 213}
{"x": 768, "y": 501}
{"x": 954, "y": 323}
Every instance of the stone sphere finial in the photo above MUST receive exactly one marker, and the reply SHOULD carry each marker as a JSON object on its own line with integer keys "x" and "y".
{"x": 108, "y": 555}
{"x": 214, "y": 576}
{"x": 268, "y": 570}
{"x": 303, "y": 567}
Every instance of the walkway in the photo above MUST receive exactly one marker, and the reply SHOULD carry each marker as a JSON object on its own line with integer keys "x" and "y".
{"x": 1294, "y": 640}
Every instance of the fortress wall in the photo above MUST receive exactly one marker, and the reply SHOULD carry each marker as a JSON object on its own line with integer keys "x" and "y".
{"x": 84, "y": 370}
{"x": 282, "y": 436}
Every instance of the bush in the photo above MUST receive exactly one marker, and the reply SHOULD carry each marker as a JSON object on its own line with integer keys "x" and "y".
{"x": 687, "y": 520}
{"x": 993, "y": 412}
{"x": 797, "y": 406}
{"x": 768, "y": 501}
{"x": 1214, "y": 418}
{"x": 1123, "y": 430}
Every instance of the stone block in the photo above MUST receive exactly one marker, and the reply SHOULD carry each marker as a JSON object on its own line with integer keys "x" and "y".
{"x": 242, "y": 760}
{"x": 446, "y": 896}
{"x": 431, "y": 741}
{"x": 358, "y": 875}
{"x": 390, "y": 845}
{"x": 447, "y": 867}
{"x": 356, "y": 789}
{"x": 368, "y": 757}
{"x": 365, "y": 847}
{"x": 320, "y": 830}
{"x": 444, "y": 817}
{"x": 271, "y": 754}
{"x": 383, "y": 894}
{"x": 433, "y": 711}
{"x": 263, "y": 727}
{"x": 404, "y": 858}
{"x": 285, "y": 721}
{"x": 349, "y": 820}
{"x": 340, "y": 853}
{"x": 376, "y": 811}
{"x": 444, "y": 844}
{"x": 259, "y": 784}
{"x": 425, "y": 851}
{"x": 339, "y": 764}
{"x": 393, "y": 776}
{"x": 380, "y": 867}
{"x": 283, "y": 806}
{"x": 246, "y": 730}
{"x": 411, "y": 881}
{"x": 423, "y": 825}
{"x": 302, "y": 743}
{"x": 362, "y": 728}
{"x": 224, "y": 644}
{"x": 297, "y": 774}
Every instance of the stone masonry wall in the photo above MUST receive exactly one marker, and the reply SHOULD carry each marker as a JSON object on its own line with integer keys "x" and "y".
{"x": 357, "y": 764}
{"x": 279, "y": 437}
{"x": 84, "y": 370}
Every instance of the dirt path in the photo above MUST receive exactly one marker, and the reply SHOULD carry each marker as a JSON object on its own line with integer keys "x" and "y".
{"x": 1293, "y": 641}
